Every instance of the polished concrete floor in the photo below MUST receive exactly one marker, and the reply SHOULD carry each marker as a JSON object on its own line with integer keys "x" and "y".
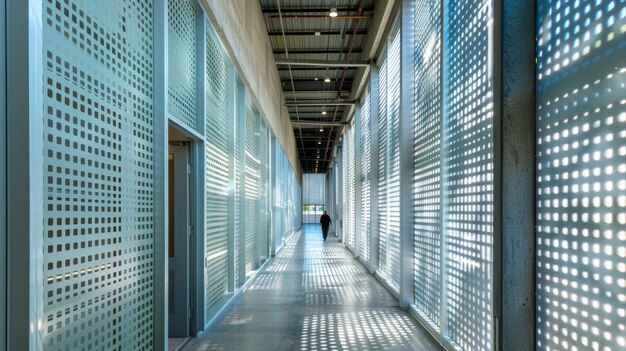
{"x": 314, "y": 296}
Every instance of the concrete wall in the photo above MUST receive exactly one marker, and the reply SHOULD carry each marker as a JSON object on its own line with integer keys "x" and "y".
{"x": 241, "y": 27}
{"x": 518, "y": 175}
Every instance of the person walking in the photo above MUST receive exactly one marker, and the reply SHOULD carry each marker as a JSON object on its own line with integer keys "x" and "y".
{"x": 325, "y": 223}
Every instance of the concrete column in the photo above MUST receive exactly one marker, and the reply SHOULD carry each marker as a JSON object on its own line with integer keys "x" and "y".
{"x": 515, "y": 24}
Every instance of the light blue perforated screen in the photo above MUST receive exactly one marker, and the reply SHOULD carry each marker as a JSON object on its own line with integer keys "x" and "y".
{"x": 98, "y": 239}
{"x": 365, "y": 155}
{"x": 219, "y": 128}
{"x": 468, "y": 190}
{"x": 581, "y": 175}
{"x": 427, "y": 110}
{"x": 182, "y": 73}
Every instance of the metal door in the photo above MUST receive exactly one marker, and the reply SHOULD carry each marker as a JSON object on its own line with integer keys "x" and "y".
{"x": 179, "y": 233}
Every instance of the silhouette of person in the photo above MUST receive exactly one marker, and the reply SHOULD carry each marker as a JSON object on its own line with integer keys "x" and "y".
{"x": 325, "y": 223}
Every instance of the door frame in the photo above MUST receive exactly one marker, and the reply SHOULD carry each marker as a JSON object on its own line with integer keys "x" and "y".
{"x": 196, "y": 147}
{"x": 182, "y": 231}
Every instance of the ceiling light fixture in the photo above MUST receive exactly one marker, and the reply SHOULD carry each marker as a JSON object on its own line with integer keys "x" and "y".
{"x": 333, "y": 12}
{"x": 321, "y": 129}
{"x": 323, "y": 112}
{"x": 327, "y": 80}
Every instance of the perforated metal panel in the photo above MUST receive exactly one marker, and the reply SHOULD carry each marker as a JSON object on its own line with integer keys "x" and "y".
{"x": 350, "y": 185}
{"x": 252, "y": 186}
{"x": 279, "y": 196}
{"x": 468, "y": 173}
{"x": 182, "y": 73}
{"x": 581, "y": 175}
{"x": 393, "y": 155}
{"x": 264, "y": 150}
{"x": 427, "y": 158}
{"x": 219, "y": 127}
{"x": 365, "y": 164}
{"x": 389, "y": 160}
{"x": 239, "y": 186}
{"x": 383, "y": 165}
{"x": 98, "y": 258}
{"x": 287, "y": 200}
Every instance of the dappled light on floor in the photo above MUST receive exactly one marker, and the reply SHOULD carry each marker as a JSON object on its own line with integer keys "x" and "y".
{"x": 314, "y": 295}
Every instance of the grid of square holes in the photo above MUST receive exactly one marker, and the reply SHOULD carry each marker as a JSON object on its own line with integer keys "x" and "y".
{"x": 218, "y": 128}
{"x": 251, "y": 183}
{"x": 365, "y": 164}
{"x": 351, "y": 187}
{"x": 427, "y": 159}
{"x": 581, "y": 175}
{"x": 383, "y": 164}
{"x": 239, "y": 176}
{"x": 98, "y": 175}
{"x": 393, "y": 158}
{"x": 263, "y": 192}
{"x": 468, "y": 172}
{"x": 182, "y": 61}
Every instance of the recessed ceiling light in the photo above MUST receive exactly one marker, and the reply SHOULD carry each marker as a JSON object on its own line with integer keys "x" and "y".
{"x": 333, "y": 12}
{"x": 323, "y": 112}
{"x": 321, "y": 129}
{"x": 327, "y": 80}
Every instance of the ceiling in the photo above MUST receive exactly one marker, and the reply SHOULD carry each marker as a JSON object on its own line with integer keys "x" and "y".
{"x": 311, "y": 47}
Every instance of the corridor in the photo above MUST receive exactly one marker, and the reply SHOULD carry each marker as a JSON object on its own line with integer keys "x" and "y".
{"x": 314, "y": 296}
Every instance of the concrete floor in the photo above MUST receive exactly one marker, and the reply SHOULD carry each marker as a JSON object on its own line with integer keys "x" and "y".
{"x": 314, "y": 296}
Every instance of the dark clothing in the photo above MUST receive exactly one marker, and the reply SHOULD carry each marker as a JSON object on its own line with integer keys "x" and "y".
{"x": 325, "y": 223}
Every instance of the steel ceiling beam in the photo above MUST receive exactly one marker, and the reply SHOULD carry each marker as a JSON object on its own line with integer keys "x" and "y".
{"x": 317, "y": 51}
{"x": 319, "y": 80}
{"x": 347, "y": 103}
{"x": 321, "y": 100}
{"x": 319, "y": 63}
{"x": 284, "y": 68}
{"x": 316, "y": 9}
{"x": 333, "y": 124}
{"x": 313, "y": 33}
{"x": 309, "y": 92}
